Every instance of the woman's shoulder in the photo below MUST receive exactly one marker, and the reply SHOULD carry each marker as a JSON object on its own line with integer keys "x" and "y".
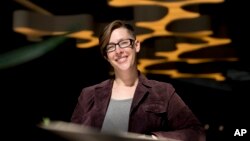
{"x": 160, "y": 84}
{"x": 155, "y": 83}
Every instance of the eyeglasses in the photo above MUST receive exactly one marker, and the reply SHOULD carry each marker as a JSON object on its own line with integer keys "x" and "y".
{"x": 122, "y": 44}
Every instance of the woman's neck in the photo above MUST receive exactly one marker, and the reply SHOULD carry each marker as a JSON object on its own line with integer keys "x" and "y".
{"x": 124, "y": 85}
{"x": 128, "y": 79}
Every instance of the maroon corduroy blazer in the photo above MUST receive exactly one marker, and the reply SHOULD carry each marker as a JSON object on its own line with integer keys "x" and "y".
{"x": 156, "y": 109}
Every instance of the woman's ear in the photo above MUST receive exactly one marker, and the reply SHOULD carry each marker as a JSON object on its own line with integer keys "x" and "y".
{"x": 137, "y": 46}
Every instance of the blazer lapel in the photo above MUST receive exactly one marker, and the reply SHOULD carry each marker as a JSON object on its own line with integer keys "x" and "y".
{"x": 102, "y": 98}
{"x": 141, "y": 90}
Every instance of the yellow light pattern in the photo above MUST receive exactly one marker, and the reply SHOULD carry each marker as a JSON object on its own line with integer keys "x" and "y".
{"x": 158, "y": 27}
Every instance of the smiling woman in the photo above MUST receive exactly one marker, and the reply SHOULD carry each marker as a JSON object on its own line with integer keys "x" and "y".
{"x": 129, "y": 102}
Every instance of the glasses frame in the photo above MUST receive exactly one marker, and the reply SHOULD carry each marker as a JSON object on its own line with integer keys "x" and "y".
{"x": 115, "y": 44}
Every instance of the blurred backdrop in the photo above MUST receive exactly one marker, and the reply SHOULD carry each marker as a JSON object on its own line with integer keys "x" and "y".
{"x": 50, "y": 52}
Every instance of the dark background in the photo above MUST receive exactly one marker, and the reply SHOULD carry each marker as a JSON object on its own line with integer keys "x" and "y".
{"x": 49, "y": 85}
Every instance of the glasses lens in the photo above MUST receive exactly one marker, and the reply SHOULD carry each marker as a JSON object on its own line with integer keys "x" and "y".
{"x": 110, "y": 48}
{"x": 125, "y": 43}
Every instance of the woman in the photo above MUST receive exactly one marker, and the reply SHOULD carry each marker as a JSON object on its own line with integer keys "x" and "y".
{"x": 129, "y": 102}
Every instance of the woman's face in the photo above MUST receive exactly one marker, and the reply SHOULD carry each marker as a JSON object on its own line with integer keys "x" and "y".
{"x": 122, "y": 58}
